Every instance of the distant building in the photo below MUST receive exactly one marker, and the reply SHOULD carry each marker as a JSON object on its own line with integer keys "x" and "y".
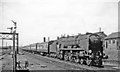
{"x": 112, "y": 46}
{"x": 113, "y": 41}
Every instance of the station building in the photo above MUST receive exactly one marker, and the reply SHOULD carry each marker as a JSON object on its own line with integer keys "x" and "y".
{"x": 112, "y": 45}
{"x": 112, "y": 41}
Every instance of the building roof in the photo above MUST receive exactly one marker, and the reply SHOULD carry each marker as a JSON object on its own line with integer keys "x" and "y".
{"x": 113, "y": 35}
{"x": 101, "y": 34}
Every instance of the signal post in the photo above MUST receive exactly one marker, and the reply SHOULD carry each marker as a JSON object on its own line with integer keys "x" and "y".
{"x": 15, "y": 39}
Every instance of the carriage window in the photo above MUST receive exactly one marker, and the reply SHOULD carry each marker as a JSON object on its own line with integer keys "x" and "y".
{"x": 117, "y": 43}
{"x": 113, "y": 41}
{"x": 106, "y": 44}
{"x": 109, "y": 41}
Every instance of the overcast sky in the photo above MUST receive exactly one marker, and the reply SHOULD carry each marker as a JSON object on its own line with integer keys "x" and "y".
{"x": 51, "y": 18}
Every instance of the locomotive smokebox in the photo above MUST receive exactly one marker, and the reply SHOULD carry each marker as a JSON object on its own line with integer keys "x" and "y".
{"x": 44, "y": 39}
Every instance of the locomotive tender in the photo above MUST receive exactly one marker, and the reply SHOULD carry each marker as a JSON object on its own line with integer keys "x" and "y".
{"x": 83, "y": 48}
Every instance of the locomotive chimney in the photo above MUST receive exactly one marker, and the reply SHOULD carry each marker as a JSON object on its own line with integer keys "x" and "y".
{"x": 57, "y": 37}
{"x": 44, "y": 39}
{"x": 100, "y": 29}
{"x": 48, "y": 38}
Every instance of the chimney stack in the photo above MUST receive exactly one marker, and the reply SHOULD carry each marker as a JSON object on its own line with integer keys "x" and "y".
{"x": 100, "y": 29}
{"x": 44, "y": 39}
{"x": 57, "y": 37}
{"x": 48, "y": 38}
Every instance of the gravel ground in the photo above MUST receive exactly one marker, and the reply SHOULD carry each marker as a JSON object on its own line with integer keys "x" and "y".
{"x": 6, "y": 63}
{"x": 41, "y": 63}
{"x": 45, "y": 64}
{"x": 67, "y": 65}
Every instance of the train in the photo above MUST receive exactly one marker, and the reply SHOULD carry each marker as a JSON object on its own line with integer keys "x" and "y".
{"x": 82, "y": 48}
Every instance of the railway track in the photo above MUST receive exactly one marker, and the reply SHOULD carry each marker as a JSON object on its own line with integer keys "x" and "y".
{"x": 3, "y": 53}
{"x": 53, "y": 62}
{"x": 70, "y": 65}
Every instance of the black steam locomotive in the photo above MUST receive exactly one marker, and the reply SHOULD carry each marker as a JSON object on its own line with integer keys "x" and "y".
{"x": 83, "y": 48}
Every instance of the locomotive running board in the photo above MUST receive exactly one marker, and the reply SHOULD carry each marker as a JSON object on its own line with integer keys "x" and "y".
{"x": 72, "y": 49}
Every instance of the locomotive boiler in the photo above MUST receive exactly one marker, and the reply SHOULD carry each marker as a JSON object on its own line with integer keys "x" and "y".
{"x": 83, "y": 48}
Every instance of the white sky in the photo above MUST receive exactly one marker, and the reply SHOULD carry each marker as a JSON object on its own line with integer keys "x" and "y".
{"x": 51, "y": 18}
